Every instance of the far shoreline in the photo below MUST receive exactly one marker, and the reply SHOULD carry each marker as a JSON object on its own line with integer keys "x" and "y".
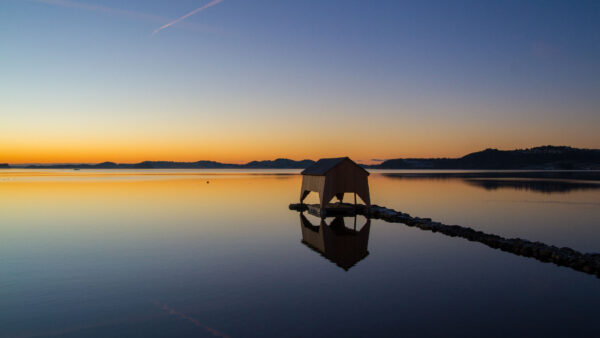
{"x": 544, "y": 158}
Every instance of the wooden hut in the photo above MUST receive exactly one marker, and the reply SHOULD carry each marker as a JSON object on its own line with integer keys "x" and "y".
{"x": 332, "y": 177}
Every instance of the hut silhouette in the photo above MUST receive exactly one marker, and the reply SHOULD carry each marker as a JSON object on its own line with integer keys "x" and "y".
{"x": 341, "y": 245}
{"x": 332, "y": 177}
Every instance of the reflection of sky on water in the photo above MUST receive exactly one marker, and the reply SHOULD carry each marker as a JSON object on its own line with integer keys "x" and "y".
{"x": 82, "y": 256}
{"x": 589, "y": 204}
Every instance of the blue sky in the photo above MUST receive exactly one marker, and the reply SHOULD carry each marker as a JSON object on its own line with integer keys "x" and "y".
{"x": 428, "y": 78}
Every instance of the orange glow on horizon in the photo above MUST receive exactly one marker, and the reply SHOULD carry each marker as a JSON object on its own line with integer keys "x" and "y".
{"x": 133, "y": 155}
{"x": 241, "y": 145}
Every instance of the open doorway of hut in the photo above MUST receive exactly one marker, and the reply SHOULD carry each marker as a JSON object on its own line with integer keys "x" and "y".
{"x": 349, "y": 197}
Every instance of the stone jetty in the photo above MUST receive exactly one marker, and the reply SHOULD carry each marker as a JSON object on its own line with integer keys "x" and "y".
{"x": 584, "y": 262}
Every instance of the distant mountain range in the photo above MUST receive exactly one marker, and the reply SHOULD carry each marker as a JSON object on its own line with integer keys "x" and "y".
{"x": 538, "y": 158}
{"x": 280, "y": 163}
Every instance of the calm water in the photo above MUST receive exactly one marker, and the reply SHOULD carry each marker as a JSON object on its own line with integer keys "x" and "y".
{"x": 204, "y": 254}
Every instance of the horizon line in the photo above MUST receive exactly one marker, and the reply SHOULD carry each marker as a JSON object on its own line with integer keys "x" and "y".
{"x": 366, "y": 162}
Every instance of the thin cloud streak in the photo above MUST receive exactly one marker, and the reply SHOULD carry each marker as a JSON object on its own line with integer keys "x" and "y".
{"x": 199, "y": 9}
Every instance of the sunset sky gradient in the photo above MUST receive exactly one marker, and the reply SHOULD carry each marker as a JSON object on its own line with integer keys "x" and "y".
{"x": 88, "y": 81}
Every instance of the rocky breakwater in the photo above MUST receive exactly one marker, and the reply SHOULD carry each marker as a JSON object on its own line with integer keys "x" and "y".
{"x": 584, "y": 262}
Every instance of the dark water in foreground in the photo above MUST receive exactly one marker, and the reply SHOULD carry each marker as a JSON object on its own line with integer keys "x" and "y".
{"x": 164, "y": 253}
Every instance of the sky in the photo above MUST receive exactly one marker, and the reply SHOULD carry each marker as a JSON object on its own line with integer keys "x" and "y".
{"x": 240, "y": 80}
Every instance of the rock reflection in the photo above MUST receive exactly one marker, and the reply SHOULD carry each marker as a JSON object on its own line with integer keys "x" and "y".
{"x": 320, "y": 240}
{"x": 547, "y": 187}
{"x": 544, "y": 182}
{"x": 339, "y": 244}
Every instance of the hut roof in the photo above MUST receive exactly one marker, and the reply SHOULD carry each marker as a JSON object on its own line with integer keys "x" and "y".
{"x": 322, "y": 166}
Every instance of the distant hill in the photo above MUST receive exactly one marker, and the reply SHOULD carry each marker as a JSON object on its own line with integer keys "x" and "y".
{"x": 179, "y": 165}
{"x": 280, "y": 163}
{"x": 538, "y": 158}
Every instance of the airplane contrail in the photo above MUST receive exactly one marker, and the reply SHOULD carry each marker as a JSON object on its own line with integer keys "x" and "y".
{"x": 210, "y": 4}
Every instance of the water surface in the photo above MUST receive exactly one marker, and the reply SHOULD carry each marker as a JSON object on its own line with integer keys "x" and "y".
{"x": 218, "y": 253}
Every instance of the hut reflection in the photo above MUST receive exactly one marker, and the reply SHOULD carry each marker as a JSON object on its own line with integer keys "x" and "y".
{"x": 341, "y": 245}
